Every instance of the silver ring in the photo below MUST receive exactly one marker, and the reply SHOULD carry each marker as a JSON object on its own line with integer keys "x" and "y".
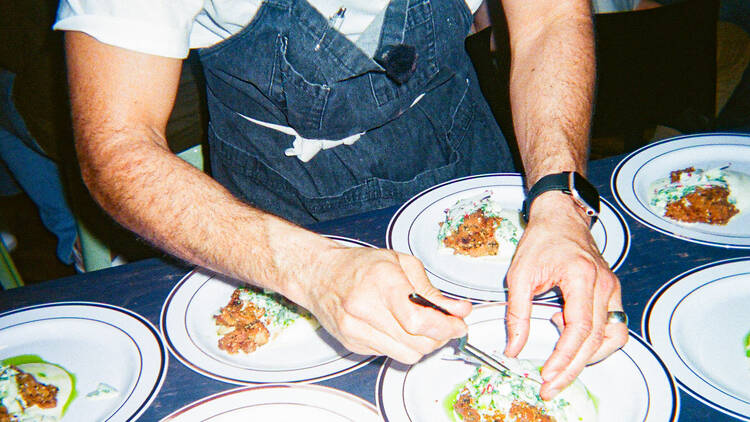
{"x": 615, "y": 317}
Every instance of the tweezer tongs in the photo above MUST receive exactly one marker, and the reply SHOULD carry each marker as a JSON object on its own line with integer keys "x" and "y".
{"x": 465, "y": 347}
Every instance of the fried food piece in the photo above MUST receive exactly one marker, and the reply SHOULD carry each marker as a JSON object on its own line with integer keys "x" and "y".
{"x": 520, "y": 411}
{"x": 464, "y": 406}
{"x": 704, "y": 205}
{"x": 674, "y": 176}
{"x": 249, "y": 331}
{"x": 247, "y": 338}
{"x": 4, "y": 416}
{"x": 35, "y": 393}
{"x": 475, "y": 236}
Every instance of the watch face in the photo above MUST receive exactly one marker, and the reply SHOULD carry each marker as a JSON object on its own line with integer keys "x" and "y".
{"x": 585, "y": 193}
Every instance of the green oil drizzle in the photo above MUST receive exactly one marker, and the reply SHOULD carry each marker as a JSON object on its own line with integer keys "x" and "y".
{"x": 23, "y": 359}
{"x": 450, "y": 400}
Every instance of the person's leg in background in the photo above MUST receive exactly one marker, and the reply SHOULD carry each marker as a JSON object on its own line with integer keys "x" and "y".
{"x": 40, "y": 179}
{"x": 35, "y": 173}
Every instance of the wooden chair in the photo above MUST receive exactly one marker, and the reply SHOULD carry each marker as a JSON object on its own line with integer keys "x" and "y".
{"x": 654, "y": 66}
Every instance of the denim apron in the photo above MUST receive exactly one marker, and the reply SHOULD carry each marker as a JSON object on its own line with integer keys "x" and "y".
{"x": 290, "y": 67}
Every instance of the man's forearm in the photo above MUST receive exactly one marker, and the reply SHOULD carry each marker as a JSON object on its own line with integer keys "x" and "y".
{"x": 121, "y": 101}
{"x": 183, "y": 211}
{"x": 552, "y": 85}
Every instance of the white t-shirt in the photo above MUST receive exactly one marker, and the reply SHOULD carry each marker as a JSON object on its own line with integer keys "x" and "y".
{"x": 171, "y": 27}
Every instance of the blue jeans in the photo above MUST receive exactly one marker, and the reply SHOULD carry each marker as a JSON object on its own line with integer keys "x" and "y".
{"x": 34, "y": 172}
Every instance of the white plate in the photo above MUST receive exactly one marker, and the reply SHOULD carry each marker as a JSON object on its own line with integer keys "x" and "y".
{"x": 279, "y": 402}
{"x": 633, "y": 175}
{"x": 417, "y": 392}
{"x": 697, "y": 323}
{"x": 97, "y": 343}
{"x": 299, "y": 354}
{"x": 414, "y": 229}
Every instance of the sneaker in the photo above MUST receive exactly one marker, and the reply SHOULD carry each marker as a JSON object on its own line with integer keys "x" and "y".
{"x": 9, "y": 241}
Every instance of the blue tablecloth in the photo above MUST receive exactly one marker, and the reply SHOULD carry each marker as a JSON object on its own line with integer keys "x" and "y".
{"x": 143, "y": 286}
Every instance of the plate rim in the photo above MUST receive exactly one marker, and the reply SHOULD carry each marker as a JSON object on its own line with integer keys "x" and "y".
{"x": 249, "y": 389}
{"x": 467, "y": 294}
{"x": 647, "y": 313}
{"x": 633, "y": 214}
{"x": 536, "y": 304}
{"x": 163, "y": 328}
{"x": 150, "y": 328}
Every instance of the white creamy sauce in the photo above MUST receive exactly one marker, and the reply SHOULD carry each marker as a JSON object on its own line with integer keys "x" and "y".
{"x": 507, "y": 234}
{"x": 44, "y": 373}
{"x": 662, "y": 191}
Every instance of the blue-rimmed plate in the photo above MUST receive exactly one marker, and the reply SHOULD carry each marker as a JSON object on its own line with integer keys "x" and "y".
{"x": 279, "y": 402}
{"x": 414, "y": 230}
{"x": 301, "y": 353}
{"x": 697, "y": 322}
{"x": 636, "y": 172}
{"x": 644, "y": 391}
{"x": 97, "y": 343}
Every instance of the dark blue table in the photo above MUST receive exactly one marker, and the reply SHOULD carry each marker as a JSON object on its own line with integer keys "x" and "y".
{"x": 143, "y": 286}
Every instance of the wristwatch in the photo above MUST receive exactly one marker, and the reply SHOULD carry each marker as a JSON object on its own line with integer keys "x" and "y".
{"x": 570, "y": 182}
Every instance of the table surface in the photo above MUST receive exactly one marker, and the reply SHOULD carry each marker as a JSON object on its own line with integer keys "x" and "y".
{"x": 143, "y": 286}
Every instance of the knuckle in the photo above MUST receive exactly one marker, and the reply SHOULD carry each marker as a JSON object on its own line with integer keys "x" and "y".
{"x": 413, "y": 324}
{"x": 596, "y": 337}
{"x": 410, "y": 357}
{"x": 347, "y": 327}
{"x": 621, "y": 338}
{"x": 583, "y": 327}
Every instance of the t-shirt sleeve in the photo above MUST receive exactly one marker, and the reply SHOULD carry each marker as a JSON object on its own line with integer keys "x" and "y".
{"x": 159, "y": 27}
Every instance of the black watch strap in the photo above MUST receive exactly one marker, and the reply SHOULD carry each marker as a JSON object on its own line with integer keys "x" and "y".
{"x": 572, "y": 183}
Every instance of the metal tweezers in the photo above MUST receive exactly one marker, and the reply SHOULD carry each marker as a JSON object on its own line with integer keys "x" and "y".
{"x": 463, "y": 344}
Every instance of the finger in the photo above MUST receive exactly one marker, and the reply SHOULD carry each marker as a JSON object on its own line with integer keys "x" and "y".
{"x": 602, "y": 297}
{"x": 592, "y": 343}
{"x": 392, "y": 313}
{"x": 371, "y": 340}
{"x": 578, "y": 324}
{"x": 615, "y": 337}
{"x": 558, "y": 320}
{"x": 415, "y": 272}
{"x": 517, "y": 316}
{"x": 419, "y": 320}
{"x": 615, "y": 333}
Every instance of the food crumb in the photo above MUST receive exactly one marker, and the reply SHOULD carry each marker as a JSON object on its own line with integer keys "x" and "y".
{"x": 103, "y": 391}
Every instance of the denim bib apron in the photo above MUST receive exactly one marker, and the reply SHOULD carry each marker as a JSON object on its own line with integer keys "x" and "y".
{"x": 290, "y": 67}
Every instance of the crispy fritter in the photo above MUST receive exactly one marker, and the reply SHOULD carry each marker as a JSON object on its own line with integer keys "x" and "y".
{"x": 674, "y": 176}
{"x": 4, "y": 416}
{"x": 704, "y": 205}
{"x": 249, "y": 331}
{"x": 475, "y": 236}
{"x": 34, "y": 393}
{"x": 464, "y": 406}
{"x": 520, "y": 411}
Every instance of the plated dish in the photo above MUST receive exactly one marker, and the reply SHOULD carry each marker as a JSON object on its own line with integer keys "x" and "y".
{"x": 279, "y": 402}
{"x": 698, "y": 323}
{"x": 419, "y": 392}
{"x": 299, "y": 351}
{"x": 709, "y": 200}
{"x": 92, "y": 361}
{"x": 417, "y": 228}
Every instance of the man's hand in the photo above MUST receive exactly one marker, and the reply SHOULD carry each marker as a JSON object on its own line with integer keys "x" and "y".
{"x": 361, "y": 298}
{"x": 557, "y": 250}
